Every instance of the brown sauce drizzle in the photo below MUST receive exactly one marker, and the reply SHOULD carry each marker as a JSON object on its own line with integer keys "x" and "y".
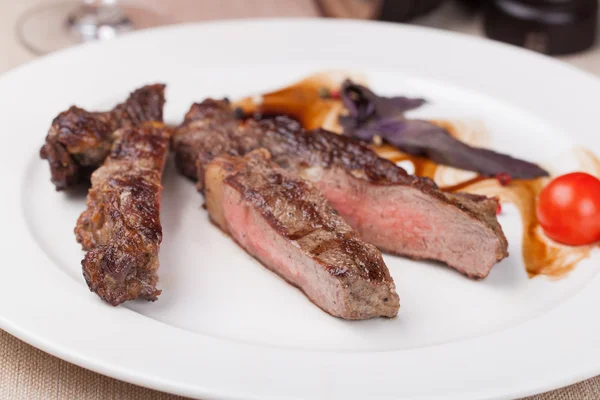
{"x": 462, "y": 186}
{"x": 303, "y": 101}
{"x": 541, "y": 255}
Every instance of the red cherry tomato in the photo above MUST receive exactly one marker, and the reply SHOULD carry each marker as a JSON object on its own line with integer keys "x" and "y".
{"x": 569, "y": 209}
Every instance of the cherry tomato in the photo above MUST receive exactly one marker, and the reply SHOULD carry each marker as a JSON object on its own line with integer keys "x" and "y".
{"x": 569, "y": 209}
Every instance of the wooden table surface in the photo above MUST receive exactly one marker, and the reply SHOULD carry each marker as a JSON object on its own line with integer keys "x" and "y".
{"x": 27, "y": 373}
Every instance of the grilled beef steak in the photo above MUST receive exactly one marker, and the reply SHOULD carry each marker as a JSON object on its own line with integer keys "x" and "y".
{"x": 120, "y": 230}
{"x": 286, "y": 223}
{"x": 397, "y": 212}
{"x": 78, "y": 141}
{"x": 206, "y": 124}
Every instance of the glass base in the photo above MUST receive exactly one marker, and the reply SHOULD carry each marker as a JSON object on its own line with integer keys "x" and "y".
{"x": 56, "y": 26}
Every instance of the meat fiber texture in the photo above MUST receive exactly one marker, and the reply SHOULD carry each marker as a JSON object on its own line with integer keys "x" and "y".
{"x": 78, "y": 140}
{"x": 285, "y": 223}
{"x": 399, "y": 213}
{"x": 121, "y": 230}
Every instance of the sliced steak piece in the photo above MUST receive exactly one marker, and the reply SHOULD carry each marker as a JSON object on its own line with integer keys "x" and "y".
{"x": 205, "y": 124}
{"x": 397, "y": 212}
{"x": 78, "y": 140}
{"x": 120, "y": 230}
{"x": 285, "y": 223}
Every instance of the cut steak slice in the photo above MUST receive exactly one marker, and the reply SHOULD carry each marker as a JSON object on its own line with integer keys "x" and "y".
{"x": 120, "y": 230}
{"x": 399, "y": 213}
{"x": 205, "y": 125}
{"x": 285, "y": 223}
{"x": 78, "y": 141}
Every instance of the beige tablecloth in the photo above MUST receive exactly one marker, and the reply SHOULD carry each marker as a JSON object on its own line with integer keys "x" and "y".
{"x": 28, "y": 373}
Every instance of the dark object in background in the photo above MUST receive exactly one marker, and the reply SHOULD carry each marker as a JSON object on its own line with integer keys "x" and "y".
{"x": 474, "y": 5}
{"x": 547, "y": 26}
{"x": 383, "y": 10}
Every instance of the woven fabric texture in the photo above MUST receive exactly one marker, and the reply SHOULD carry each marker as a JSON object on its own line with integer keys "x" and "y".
{"x": 31, "y": 374}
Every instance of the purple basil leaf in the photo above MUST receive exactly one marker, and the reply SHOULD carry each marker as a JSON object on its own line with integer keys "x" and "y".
{"x": 362, "y": 103}
{"x": 371, "y": 115}
{"x": 422, "y": 138}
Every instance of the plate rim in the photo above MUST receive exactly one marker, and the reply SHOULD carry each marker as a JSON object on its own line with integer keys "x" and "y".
{"x": 36, "y": 340}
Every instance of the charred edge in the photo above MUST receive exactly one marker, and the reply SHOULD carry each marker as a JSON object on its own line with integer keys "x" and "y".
{"x": 117, "y": 276}
{"x": 64, "y": 171}
{"x": 144, "y": 104}
{"x": 293, "y": 191}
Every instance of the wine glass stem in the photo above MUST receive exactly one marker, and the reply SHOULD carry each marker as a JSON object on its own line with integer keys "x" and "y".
{"x": 98, "y": 19}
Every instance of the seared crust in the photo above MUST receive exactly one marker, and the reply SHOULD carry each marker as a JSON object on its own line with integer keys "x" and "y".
{"x": 296, "y": 210}
{"x": 121, "y": 227}
{"x": 205, "y": 122}
{"x": 356, "y": 283}
{"x": 78, "y": 141}
{"x": 211, "y": 130}
{"x": 144, "y": 104}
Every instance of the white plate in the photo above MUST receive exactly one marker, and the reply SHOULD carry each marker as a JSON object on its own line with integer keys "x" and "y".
{"x": 224, "y": 327}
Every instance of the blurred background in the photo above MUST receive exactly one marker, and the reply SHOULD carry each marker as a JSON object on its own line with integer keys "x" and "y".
{"x": 562, "y": 28}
